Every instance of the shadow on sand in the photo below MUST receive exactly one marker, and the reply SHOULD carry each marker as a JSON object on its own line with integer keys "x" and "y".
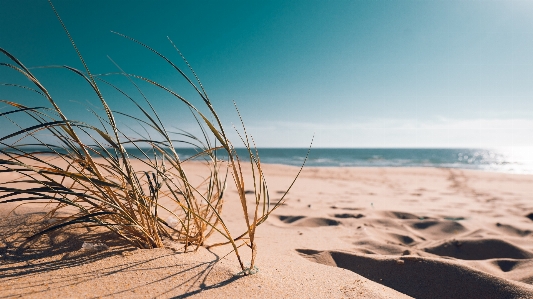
{"x": 21, "y": 257}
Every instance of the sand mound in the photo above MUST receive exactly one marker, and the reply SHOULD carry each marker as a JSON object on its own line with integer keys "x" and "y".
{"x": 308, "y": 221}
{"x": 436, "y": 233}
{"x": 344, "y": 233}
{"x": 476, "y": 249}
{"x": 422, "y": 277}
{"x": 348, "y": 215}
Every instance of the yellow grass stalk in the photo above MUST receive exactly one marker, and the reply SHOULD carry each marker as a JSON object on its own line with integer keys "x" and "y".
{"x": 87, "y": 172}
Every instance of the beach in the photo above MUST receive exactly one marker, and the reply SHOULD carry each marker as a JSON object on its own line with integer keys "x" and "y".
{"x": 344, "y": 232}
{"x": 153, "y": 153}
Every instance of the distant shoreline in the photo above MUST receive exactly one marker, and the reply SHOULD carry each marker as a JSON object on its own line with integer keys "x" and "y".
{"x": 353, "y": 232}
{"x": 518, "y": 161}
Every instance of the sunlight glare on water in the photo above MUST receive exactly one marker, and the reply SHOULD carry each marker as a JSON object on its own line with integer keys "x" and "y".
{"x": 518, "y": 159}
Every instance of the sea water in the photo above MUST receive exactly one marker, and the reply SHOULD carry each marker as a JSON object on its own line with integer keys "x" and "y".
{"x": 510, "y": 160}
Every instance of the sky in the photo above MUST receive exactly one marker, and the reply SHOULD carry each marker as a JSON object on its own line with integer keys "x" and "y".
{"x": 424, "y": 73}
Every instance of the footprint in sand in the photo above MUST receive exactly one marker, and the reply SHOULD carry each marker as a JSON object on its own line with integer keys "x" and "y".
{"x": 348, "y": 215}
{"x": 308, "y": 221}
{"x": 422, "y": 277}
{"x": 400, "y": 215}
{"x": 510, "y": 230}
{"x": 530, "y": 216}
{"x": 479, "y": 249}
{"x": 438, "y": 229}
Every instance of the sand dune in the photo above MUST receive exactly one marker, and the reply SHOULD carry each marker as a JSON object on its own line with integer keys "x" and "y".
{"x": 423, "y": 277}
{"x": 343, "y": 233}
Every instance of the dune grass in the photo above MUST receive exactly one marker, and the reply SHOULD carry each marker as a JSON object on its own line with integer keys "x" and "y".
{"x": 84, "y": 173}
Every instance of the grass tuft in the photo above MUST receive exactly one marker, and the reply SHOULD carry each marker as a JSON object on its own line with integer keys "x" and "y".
{"x": 84, "y": 173}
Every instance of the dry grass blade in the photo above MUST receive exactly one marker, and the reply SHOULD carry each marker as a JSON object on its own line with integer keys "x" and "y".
{"x": 86, "y": 170}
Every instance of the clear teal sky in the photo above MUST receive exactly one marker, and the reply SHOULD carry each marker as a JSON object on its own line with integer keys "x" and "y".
{"x": 354, "y": 73}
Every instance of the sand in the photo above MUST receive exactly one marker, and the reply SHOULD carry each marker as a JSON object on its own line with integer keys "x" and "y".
{"x": 344, "y": 233}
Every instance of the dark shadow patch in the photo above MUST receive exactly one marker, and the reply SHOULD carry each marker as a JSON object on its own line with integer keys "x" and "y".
{"x": 513, "y": 231}
{"x": 479, "y": 249}
{"x": 290, "y": 219}
{"x": 308, "y": 221}
{"x": 400, "y": 215}
{"x": 422, "y": 277}
{"x": 379, "y": 247}
{"x": 424, "y": 224}
{"x": 346, "y": 215}
{"x": 506, "y": 265}
{"x": 308, "y": 251}
{"x": 346, "y": 208}
{"x": 403, "y": 239}
{"x": 454, "y": 218}
{"x": 530, "y": 216}
{"x": 316, "y": 222}
{"x": 435, "y": 227}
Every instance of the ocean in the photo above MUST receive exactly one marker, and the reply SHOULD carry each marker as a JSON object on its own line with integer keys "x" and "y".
{"x": 509, "y": 160}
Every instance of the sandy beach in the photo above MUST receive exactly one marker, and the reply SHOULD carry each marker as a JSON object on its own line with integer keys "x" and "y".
{"x": 414, "y": 120}
{"x": 343, "y": 233}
